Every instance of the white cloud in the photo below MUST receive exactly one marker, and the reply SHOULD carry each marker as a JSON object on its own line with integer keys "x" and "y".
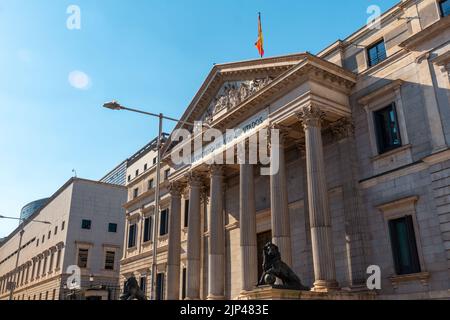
{"x": 79, "y": 80}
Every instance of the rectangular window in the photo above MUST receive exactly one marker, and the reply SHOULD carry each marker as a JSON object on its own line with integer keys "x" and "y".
{"x": 148, "y": 229}
{"x": 186, "y": 213}
{"x": 132, "y": 236}
{"x": 404, "y": 248}
{"x": 445, "y": 7}
{"x": 129, "y": 178}
{"x": 164, "y": 224}
{"x": 151, "y": 184}
{"x": 387, "y": 129}
{"x": 135, "y": 193}
{"x": 43, "y": 239}
{"x": 143, "y": 284}
{"x": 86, "y": 224}
{"x": 145, "y": 167}
{"x": 166, "y": 174}
{"x": 160, "y": 286}
{"x": 83, "y": 258}
{"x": 137, "y": 172}
{"x": 112, "y": 227}
{"x": 56, "y": 230}
{"x": 63, "y": 224}
{"x": 376, "y": 53}
{"x": 154, "y": 160}
{"x": 49, "y": 235}
{"x": 37, "y": 242}
{"x": 109, "y": 260}
{"x": 52, "y": 257}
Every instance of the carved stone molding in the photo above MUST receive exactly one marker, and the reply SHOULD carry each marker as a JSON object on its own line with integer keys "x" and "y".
{"x": 311, "y": 116}
{"x": 342, "y": 129}
{"x": 194, "y": 179}
{"x": 216, "y": 170}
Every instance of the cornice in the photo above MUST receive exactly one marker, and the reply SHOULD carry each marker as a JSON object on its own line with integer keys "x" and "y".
{"x": 426, "y": 34}
{"x": 380, "y": 92}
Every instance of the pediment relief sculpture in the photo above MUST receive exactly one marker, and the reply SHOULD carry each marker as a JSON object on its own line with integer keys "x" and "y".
{"x": 233, "y": 93}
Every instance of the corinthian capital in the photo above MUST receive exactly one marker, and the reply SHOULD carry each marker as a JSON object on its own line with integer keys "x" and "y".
{"x": 194, "y": 179}
{"x": 216, "y": 170}
{"x": 342, "y": 128}
{"x": 175, "y": 189}
{"x": 311, "y": 116}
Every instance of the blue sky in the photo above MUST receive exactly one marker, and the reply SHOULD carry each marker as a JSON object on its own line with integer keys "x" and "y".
{"x": 148, "y": 54}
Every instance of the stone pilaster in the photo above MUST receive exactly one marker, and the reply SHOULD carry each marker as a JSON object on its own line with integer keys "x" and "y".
{"x": 174, "y": 250}
{"x": 216, "y": 228}
{"x": 319, "y": 211}
{"x": 343, "y": 131}
{"x": 194, "y": 238}
{"x": 247, "y": 221}
{"x": 281, "y": 234}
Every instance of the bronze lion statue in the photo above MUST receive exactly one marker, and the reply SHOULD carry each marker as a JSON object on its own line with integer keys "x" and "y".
{"x": 131, "y": 290}
{"x": 274, "y": 267}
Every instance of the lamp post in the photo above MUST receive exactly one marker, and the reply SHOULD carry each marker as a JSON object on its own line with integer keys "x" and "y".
{"x": 114, "y": 105}
{"x": 12, "y": 285}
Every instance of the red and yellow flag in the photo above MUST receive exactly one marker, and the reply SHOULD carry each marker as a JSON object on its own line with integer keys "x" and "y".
{"x": 260, "y": 42}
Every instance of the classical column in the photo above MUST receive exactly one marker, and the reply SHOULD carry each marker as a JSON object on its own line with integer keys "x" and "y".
{"x": 319, "y": 211}
{"x": 194, "y": 238}
{"x": 247, "y": 224}
{"x": 281, "y": 234}
{"x": 174, "y": 250}
{"x": 216, "y": 247}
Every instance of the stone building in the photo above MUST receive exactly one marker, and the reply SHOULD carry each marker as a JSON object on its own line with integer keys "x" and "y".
{"x": 364, "y": 175}
{"x": 84, "y": 227}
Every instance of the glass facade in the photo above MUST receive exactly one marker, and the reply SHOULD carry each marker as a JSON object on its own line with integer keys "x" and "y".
{"x": 31, "y": 208}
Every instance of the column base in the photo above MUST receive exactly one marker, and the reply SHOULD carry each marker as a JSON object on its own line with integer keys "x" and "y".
{"x": 213, "y": 297}
{"x": 270, "y": 293}
{"x": 325, "y": 286}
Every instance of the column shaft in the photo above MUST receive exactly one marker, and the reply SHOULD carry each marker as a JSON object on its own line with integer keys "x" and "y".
{"x": 247, "y": 220}
{"x": 216, "y": 247}
{"x": 281, "y": 234}
{"x": 174, "y": 250}
{"x": 320, "y": 219}
{"x": 194, "y": 240}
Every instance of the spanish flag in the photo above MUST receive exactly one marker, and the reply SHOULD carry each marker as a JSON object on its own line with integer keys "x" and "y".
{"x": 260, "y": 42}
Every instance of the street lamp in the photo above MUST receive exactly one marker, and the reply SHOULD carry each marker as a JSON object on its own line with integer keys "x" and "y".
{"x": 21, "y": 232}
{"x": 114, "y": 105}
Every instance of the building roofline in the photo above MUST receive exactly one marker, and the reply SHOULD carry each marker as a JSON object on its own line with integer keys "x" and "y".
{"x": 53, "y": 197}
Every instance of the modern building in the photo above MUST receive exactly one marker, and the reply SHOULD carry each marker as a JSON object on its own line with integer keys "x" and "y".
{"x": 84, "y": 231}
{"x": 28, "y": 210}
{"x": 117, "y": 175}
{"x": 363, "y": 178}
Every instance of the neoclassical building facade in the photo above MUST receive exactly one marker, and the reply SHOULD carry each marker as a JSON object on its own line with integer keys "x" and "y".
{"x": 363, "y": 179}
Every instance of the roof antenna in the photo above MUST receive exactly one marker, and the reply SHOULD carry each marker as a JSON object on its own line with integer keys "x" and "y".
{"x": 74, "y": 173}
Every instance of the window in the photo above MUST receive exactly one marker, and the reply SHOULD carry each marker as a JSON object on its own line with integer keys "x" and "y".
{"x": 86, "y": 224}
{"x": 160, "y": 286}
{"x": 43, "y": 239}
{"x": 37, "y": 242}
{"x": 112, "y": 227}
{"x": 137, "y": 172}
{"x": 143, "y": 284}
{"x": 154, "y": 160}
{"x": 54, "y": 294}
{"x": 164, "y": 224}
{"x": 109, "y": 260}
{"x": 132, "y": 236}
{"x": 63, "y": 224}
{"x": 49, "y": 235}
{"x": 147, "y": 229}
{"x": 129, "y": 178}
{"x": 145, "y": 167}
{"x": 135, "y": 193}
{"x": 166, "y": 174}
{"x": 445, "y": 7}
{"x": 56, "y": 230}
{"x": 387, "y": 129}
{"x": 50, "y": 267}
{"x": 376, "y": 53}
{"x": 404, "y": 248}
{"x": 151, "y": 184}
{"x": 83, "y": 258}
{"x": 186, "y": 213}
